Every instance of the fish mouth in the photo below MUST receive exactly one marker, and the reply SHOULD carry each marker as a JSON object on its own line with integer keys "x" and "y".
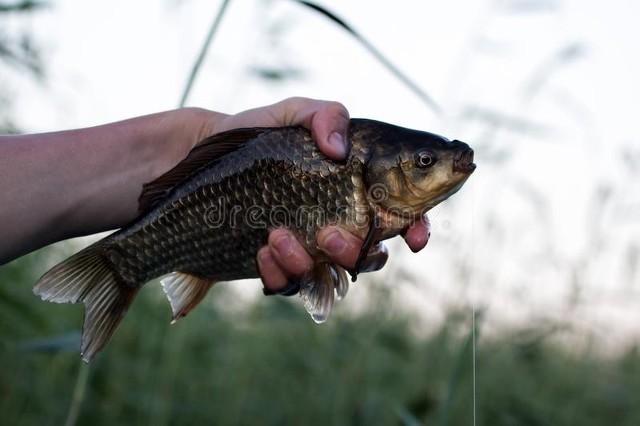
{"x": 463, "y": 161}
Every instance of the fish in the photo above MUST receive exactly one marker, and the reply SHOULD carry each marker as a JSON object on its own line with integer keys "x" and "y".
{"x": 204, "y": 221}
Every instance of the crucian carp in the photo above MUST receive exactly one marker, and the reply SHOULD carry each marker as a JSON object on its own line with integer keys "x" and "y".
{"x": 204, "y": 220}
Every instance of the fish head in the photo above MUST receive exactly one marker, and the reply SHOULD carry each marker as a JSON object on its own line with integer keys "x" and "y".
{"x": 409, "y": 171}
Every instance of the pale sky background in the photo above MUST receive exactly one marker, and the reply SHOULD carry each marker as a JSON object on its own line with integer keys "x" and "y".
{"x": 527, "y": 238}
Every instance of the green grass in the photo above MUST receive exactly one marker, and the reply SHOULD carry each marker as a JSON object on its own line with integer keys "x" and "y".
{"x": 270, "y": 365}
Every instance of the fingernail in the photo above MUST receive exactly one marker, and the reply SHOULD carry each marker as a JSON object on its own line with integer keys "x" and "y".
{"x": 333, "y": 243}
{"x": 283, "y": 245}
{"x": 267, "y": 291}
{"x": 337, "y": 142}
{"x": 293, "y": 287}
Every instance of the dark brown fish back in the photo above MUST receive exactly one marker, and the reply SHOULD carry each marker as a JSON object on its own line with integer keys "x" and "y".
{"x": 204, "y": 154}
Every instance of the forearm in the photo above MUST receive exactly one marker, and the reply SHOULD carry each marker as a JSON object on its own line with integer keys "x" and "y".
{"x": 65, "y": 184}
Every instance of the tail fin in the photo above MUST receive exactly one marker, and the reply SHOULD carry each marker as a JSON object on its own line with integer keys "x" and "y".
{"x": 89, "y": 277}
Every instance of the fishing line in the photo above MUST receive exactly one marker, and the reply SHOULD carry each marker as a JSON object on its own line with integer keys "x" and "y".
{"x": 473, "y": 356}
{"x": 473, "y": 304}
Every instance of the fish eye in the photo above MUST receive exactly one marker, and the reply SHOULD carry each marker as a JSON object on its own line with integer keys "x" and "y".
{"x": 425, "y": 159}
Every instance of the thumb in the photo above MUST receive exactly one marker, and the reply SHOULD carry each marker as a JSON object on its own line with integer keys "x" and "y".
{"x": 329, "y": 126}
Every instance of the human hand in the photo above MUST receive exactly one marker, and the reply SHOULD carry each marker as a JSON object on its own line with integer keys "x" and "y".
{"x": 284, "y": 258}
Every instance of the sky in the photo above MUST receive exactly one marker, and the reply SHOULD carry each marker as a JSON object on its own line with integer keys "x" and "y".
{"x": 546, "y": 91}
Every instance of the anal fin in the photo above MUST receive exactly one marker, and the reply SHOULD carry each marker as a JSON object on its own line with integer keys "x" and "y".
{"x": 184, "y": 292}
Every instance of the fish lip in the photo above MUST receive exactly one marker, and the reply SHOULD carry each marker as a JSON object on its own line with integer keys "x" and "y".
{"x": 463, "y": 161}
{"x": 469, "y": 168}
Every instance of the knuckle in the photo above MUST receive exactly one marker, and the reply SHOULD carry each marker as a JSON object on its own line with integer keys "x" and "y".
{"x": 294, "y": 102}
{"x": 297, "y": 262}
{"x": 336, "y": 109}
{"x": 301, "y": 265}
{"x": 277, "y": 233}
{"x": 347, "y": 257}
{"x": 263, "y": 259}
{"x": 195, "y": 110}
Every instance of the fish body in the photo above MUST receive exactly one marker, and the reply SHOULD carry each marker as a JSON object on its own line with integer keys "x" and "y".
{"x": 205, "y": 220}
{"x": 213, "y": 225}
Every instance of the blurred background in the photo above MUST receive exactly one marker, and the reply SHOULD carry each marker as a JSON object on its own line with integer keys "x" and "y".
{"x": 523, "y": 309}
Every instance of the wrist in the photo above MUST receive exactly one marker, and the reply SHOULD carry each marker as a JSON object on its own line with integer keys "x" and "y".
{"x": 198, "y": 124}
{"x": 130, "y": 154}
{"x": 178, "y": 131}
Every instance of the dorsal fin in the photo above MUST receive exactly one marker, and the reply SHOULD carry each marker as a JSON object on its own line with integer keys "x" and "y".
{"x": 207, "y": 151}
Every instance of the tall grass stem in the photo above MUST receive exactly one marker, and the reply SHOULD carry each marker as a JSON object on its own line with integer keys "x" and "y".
{"x": 195, "y": 69}
{"x": 79, "y": 392}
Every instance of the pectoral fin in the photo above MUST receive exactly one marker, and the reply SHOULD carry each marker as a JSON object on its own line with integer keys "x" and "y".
{"x": 184, "y": 292}
{"x": 319, "y": 289}
{"x": 342, "y": 282}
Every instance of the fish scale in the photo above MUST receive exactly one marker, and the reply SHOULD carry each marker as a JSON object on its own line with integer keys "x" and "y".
{"x": 193, "y": 231}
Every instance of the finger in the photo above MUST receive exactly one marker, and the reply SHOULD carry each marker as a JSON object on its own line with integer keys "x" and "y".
{"x": 417, "y": 235}
{"x": 329, "y": 129}
{"x": 288, "y": 253}
{"x": 272, "y": 275}
{"x": 327, "y": 120}
{"x": 341, "y": 246}
{"x": 376, "y": 258}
